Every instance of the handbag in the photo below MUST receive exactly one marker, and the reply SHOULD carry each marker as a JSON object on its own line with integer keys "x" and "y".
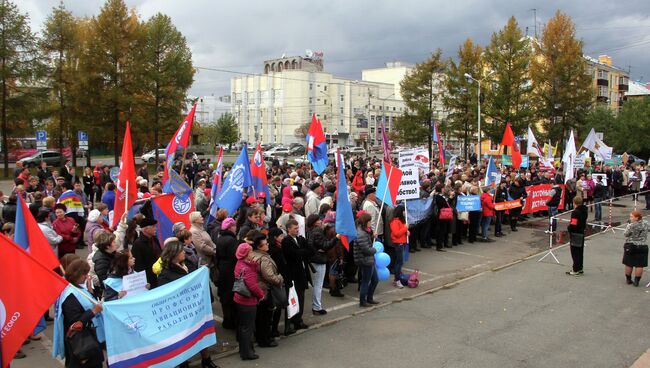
{"x": 340, "y": 279}
{"x": 82, "y": 342}
{"x": 446, "y": 213}
{"x": 240, "y": 287}
{"x": 279, "y": 296}
{"x": 577, "y": 240}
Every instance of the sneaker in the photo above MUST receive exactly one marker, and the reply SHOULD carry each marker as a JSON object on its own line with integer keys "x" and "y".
{"x": 548, "y": 232}
{"x": 573, "y": 273}
{"x": 398, "y": 284}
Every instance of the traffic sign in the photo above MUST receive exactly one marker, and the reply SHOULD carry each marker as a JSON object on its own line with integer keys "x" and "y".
{"x": 41, "y": 140}
{"x": 82, "y": 137}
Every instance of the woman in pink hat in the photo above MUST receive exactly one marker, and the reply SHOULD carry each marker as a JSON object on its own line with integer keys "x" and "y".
{"x": 247, "y": 269}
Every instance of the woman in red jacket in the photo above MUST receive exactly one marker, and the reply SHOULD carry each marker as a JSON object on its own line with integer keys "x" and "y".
{"x": 487, "y": 209}
{"x": 68, "y": 228}
{"x": 247, "y": 268}
{"x": 398, "y": 235}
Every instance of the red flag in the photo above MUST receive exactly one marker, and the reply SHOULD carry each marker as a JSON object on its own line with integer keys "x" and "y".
{"x": 509, "y": 140}
{"x": 258, "y": 174}
{"x": 27, "y": 290}
{"x": 180, "y": 139}
{"x": 29, "y": 236}
{"x": 125, "y": 180}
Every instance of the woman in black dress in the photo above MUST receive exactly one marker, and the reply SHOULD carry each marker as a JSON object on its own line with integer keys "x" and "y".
{"x": 635, "y": 254}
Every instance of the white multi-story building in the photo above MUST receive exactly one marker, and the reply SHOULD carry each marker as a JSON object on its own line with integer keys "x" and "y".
{"x": 271, "y": 107}
{"x": 210, "y": 108}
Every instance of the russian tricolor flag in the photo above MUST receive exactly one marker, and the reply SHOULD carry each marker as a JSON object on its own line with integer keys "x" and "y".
{"x": 388, "y": 185}
{"x": 316, "y": 146}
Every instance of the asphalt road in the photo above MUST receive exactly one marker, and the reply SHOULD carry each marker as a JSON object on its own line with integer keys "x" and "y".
{"x": 528, "y": 315}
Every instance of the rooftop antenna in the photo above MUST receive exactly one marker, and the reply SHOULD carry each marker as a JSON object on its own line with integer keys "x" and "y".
{"x": 534, "y": 10}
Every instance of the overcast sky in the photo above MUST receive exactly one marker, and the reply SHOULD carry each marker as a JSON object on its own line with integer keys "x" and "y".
{"x": 238, "y": 36}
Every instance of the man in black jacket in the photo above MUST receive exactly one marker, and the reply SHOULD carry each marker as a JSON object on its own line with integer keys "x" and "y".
{"x": 297, "y": 253}
{"x": 600, "y": 192}
{"x": 553, "y": 204}
{"x": 146, "y": 250}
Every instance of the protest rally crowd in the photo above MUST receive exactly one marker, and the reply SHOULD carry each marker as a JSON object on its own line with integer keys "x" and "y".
{"x": 268, "y": 237}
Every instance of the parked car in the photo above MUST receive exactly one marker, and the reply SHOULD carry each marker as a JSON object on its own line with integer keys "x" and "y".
{"x": 297, "y": 150}
{"x": 276, "y": 152}
{"x": 356, "y": 151}
{"x": 52, "y": 158}
{"x": 150, "y": 156}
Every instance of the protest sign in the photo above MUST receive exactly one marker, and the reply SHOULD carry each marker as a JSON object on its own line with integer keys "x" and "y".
{"x": 162, "y": 327}
{"x": 537, "y": 197}
{"x": 502, "y": 206}
{"x": 506, "y": 160}
{"x": 417, "y": 157}
{"x": 579, "y": 162}
{"x": 468, "y": 203}
{"x": 409, "y": 187}
{"x": 135, "y": 283}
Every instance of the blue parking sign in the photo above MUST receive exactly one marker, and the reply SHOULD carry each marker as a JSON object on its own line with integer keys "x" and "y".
{"x": 82, "y": 136}
{"x": 41, "y": 135}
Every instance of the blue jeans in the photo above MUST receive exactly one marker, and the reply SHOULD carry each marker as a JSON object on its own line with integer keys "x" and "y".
{"x": 598, "y": 208}
{"x": 317, "y": 280}
{"x": 552, "y": 211}
{"x": 398, "y": 260}
{"x": 485, "y": 226}
{"x": 369, "y": 281}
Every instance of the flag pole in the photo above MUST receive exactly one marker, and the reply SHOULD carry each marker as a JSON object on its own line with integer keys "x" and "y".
{"x": 383, "y": 197}
{"x": 408, "y": 245}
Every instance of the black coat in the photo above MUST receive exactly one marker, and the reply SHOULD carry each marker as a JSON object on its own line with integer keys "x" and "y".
{"x": 169, "y": 274}
{"x": 278, "y": 257}
{"x": 578, "y": 219}
{"x": 146, "y": 252}
{"x": 102, "y": 264}
{"x": 226, "y": 247}
{"x": 72, "y": 312}
{"x": 44, "y": 175}
{"x": 9, "y": 212}
{"x": 316, "y": 239}
{"x": 297, "y": 256}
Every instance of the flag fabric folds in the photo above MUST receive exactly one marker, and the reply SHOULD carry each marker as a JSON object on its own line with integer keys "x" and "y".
{"x": 238, "y": 179}
{"x": 169, "y": 209}
{"x": 388, "y": 184}
{"x": 509, "y": 140}
{"x": 27, "y": 290}
{"x": 344, "y": 218}
{"x": 385, "y": 143}
{"x": 162, "y": 327}
{"x": 436, "y": 139}
{"x": 569, "y": 158}
{"x": 180, "y": 140}
{"x": 72, "y": 202}
{"x": 216, "y": 186}
{"x": 492, "y": 175}
{"x": 533, "y": 146}
{"x": 316, "y": 146}
{"x": 595, "y": 145}
{"x": 28, "y": 235}
{"x": 125, "y": 184}
{"x": 258, "y": 175}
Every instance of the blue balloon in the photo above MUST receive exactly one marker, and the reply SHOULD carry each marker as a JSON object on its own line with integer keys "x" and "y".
{"x": 382, "y": 259}
{"x": 379, "y": 246}
{"x": 383, "y": 274}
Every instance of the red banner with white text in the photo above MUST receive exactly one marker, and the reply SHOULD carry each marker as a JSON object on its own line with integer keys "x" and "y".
{"x": 538, "y": 195}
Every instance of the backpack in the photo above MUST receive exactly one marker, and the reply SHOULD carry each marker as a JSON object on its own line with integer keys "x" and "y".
{"x": 414, "y": 279}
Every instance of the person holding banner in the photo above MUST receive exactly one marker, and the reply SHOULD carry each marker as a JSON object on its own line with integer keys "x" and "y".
{"x": 173, "y": 268}
{"x": 487, "y": 208}
{"x": 516, "y": 191}
{"x": 501, "y": 196}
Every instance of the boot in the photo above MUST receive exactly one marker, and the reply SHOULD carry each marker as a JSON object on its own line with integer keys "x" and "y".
{"x": 628, "y": 279}
{"x": 207, "y": 363}
{"x": 637, "y": 279}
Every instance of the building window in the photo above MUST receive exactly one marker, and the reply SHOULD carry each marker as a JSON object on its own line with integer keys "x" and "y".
{"x": 341, "y": 110}
{"x": 324, "y": 88}
{"x": 310, "y": 100}
{"x": 311, "y": 86}
{"x": 602, "y": 91}
{"x": 325, "y": 117}
{"x": 381, "y": 107}
{"x": 341, "y": 122}
{"x": 393, "y": 108}
{"x": 324, "y": 101}
{"x": 342, "y": 98}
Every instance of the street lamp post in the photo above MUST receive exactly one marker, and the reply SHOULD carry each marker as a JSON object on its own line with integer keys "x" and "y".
{"x": 478, "y": 103}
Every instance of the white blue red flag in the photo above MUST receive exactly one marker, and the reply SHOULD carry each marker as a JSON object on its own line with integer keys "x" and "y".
{"x": 169, "y": 209}
{"x": 216, "y": 186}
{"x": 316, "y": 146}
{"x": 258, "y": 175}
{"x": 180, "y": 140}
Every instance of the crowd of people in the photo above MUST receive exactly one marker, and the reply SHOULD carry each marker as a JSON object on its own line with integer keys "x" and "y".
{"x": 271, "y": 245}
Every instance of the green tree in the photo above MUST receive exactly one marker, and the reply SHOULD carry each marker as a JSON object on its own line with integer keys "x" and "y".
{"x": 420, "y": 89}
{"x": 507, "y": 97}
{"x": 461, "y": 92}
{"x": 60, "y": 45}
{"x": 301, "y": 131}
{"x": 227, "y": 131}
{"x": 20, "y": 67}
{"x": 562, "y": 91}
{"x": 109, "y": 68}
{"x": 408, "y": 129}
{"x": 166, "y": 75}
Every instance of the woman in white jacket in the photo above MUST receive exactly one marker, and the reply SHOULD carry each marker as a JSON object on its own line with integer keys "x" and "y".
{"x": 43, "y": 219}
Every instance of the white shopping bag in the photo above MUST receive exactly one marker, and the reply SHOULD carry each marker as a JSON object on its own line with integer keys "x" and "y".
{"x": 293, "y": 308}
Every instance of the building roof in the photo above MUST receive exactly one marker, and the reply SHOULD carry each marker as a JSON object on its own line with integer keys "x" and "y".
{"x": 637, "y": 89}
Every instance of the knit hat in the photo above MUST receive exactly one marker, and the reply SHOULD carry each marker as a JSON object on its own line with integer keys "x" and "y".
{"x": 94, "y": 215}
{"x": 287, "y": 207}
{"x": 227, "y": 223}
{"x": 251, "y": 200}
{"x": 242, "y": 250}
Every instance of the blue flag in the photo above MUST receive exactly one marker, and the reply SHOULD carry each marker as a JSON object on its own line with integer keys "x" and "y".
{"x": 162, "y": 327}
{"x": 344, "y": 217}
{"x": 238, "y": 179}
{"x": 492, "y": 175}
{"x": 177, "y": 185}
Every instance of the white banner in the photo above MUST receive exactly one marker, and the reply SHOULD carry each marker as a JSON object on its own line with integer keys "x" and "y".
{"x": 579, "y": 162}
{"x": 409, "y": 187}
{"x": 417, "y": 157}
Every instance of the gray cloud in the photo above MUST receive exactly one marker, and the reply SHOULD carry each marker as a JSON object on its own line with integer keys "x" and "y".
{"x": 360, "y": 34}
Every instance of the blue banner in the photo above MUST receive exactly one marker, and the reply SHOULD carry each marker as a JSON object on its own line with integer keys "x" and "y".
{"x": 468, "y": 203}
{"x": 418, "y": 210}
{"x": 162, "y": 327}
